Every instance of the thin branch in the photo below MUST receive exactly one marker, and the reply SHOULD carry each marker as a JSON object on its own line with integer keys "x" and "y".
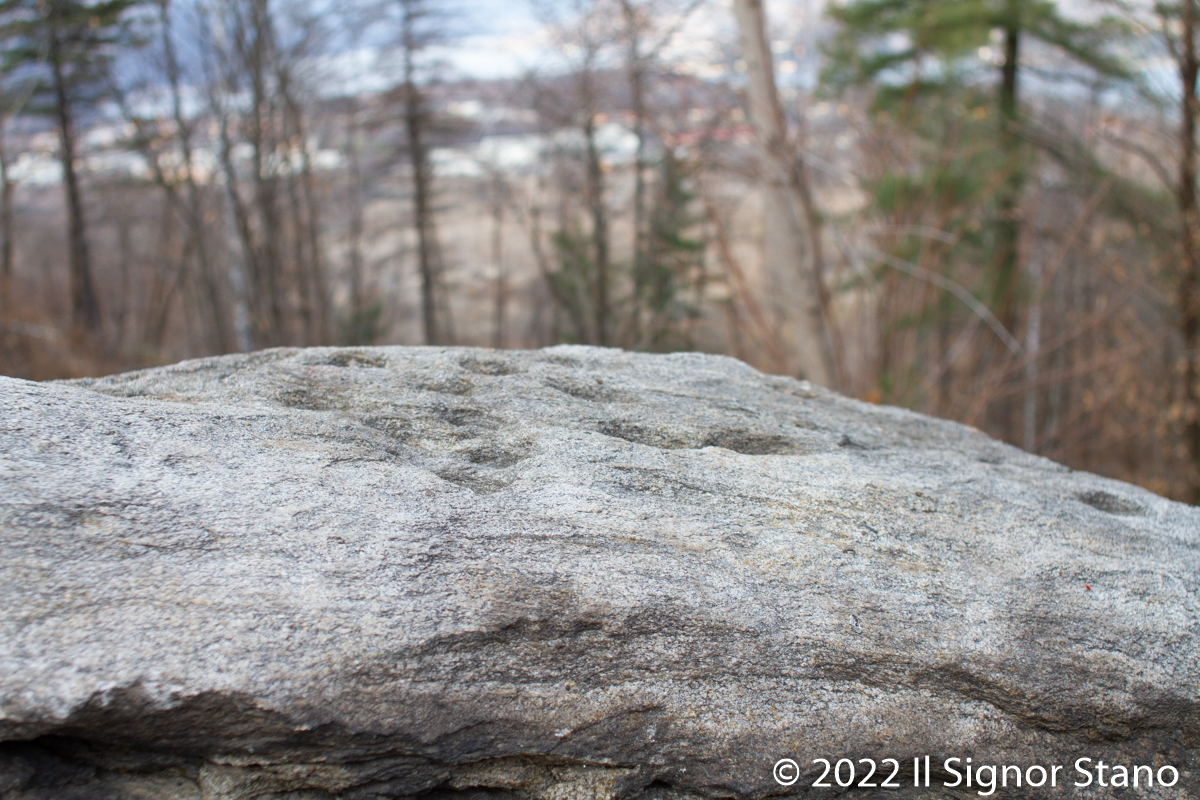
{"x": 674, "y": 29}
{"x": 942, "y": 282}
{"x": 1160, "y": 170}
{"x": 926, "y": 231}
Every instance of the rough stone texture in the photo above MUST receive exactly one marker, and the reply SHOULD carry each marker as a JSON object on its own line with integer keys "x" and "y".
{"x": 568, "y": 573}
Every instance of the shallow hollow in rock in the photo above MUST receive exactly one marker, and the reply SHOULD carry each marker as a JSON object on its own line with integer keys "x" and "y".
{"x": 574, "y": 572}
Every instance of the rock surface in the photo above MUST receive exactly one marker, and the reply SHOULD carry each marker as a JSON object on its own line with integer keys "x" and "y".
{"x": 569, "y": 573}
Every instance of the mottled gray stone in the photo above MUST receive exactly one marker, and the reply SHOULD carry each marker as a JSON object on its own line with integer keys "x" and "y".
{"x": 558, "y": 574}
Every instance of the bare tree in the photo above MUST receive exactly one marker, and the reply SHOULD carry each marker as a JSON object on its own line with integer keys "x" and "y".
{"x": 356, "y": 223}
{"x": 595, "y": 191}
{"x": 648, "y": 27}
{"x": 195, "y": 202}
{"x": 792, "y": 239}
{"x": 7, "y": 186}
{"x": 582, "y": 283}
{"x": 71, "y": 40}
{"x": 417, "y": 34}
{"x": 637, "y": 66}
{"x": 257, "y": 96}
{"x": 1184, "y": 50}
{"x": 500, "y": 197}
{"x": 173, "y": 165}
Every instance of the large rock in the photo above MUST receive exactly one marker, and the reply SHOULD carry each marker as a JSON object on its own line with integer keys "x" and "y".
{"x": 568, "y": 573}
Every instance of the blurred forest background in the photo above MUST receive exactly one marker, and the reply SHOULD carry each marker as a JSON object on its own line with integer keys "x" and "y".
{"x": 980, "y": 209}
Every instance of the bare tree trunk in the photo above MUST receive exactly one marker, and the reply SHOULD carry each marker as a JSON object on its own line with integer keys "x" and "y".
{"x": 637, "y": 89}
{"x": 316, "y": 255}
{"x": 237, "y": 220}
{"x": 159, "y": 309}
{"x": 1005, "y": 260}
{"x": 125, "y": 248}
{"x": 422, "y": 212}
{"x": 599, "y": 213}
{"x": 195, "y": 209}
{"x": 269, "y": 288}
{"x": 300, "y": 266}
{"x": 306, "y": 218}
{"x": 1033, "y": 341}
{"x": 1008, "y": 228}
{"x": 1189, "y": 289}
{"x": 6, "y": 225}
{"x": 7, "y": 184}
{"x": 358, "y": 299}
{"x": 500, "y": 282}
{"x": 237, "y": 253}
{"x": 791, "y": 239}
{"x": 414, "y": 121}
{"x": 85, "y": 309}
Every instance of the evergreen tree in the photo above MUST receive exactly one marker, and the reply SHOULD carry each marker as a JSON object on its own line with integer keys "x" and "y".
{"x": 909, "y": 50}
{"x": 668, "y": 278}
{"x": 966, "y": 158}
{"x": 65, "y": 48}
